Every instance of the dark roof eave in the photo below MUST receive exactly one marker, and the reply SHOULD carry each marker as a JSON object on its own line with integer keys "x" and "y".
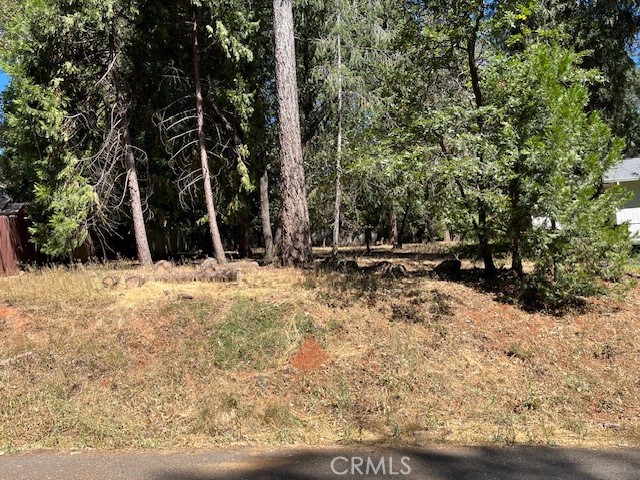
{"x": 14, "y": 209}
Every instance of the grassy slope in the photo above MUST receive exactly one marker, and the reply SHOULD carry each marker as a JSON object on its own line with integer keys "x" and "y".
{"x": 82, "y": 365}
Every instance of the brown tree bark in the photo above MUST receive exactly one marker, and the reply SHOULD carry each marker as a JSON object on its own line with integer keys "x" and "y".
{"x": 202, "y": 147}
{"x": 368, "y": 231}
{"x": 137, "y": 215}
{"x": 295, "y": 249}
{"x": 265, "y": 215}
{"x": 244, "y": 238}
{"x": 393, "y": 227}
{"x": 400, "y": 243}
{"x": 140, "y": 232}
{"x": 517, "y": 224}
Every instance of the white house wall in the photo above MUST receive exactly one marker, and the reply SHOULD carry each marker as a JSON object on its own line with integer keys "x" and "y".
{"x": 630, "y": 212}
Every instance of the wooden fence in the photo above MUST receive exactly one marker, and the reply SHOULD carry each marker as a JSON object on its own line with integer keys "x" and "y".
{"x": 14, "y": 244}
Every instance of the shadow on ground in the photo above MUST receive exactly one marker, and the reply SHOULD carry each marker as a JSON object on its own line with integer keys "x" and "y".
{"x": 391, "y": 254}
{"x": 521, "y": 463}
{"x": 350, "y": 280}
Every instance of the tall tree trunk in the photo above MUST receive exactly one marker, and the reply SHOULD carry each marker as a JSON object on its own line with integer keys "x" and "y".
{"x": 516, "y": 259}
{"x": 137, "y": 215}
{"x": 517, "y": 223}
{"x": 368, "y": 231}
{"x": 277, "y": 240}
{"x": 400, "y": 243}
{"x": 244, "y": 237}
{"x": 485, "y": 245}
{"x": 267, "y": 232}
{"x": 142, "y": 243}
{"x": 338, "y": 199}
{"x": 202, "y": 146}
{"x": 483, "y": 231}
{"x": 393, "y": 227}
{"x": 431, "y": 234}
{"x": 296, "y": 232}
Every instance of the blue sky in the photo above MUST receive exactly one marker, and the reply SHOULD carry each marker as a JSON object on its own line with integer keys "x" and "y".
{"x": 4, "y": 80}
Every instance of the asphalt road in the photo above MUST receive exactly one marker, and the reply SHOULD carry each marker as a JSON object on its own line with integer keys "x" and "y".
{"x": 521, "y": 463}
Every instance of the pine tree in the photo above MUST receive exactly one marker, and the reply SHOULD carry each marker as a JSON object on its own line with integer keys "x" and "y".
{"x": 295, "y": 249}
{"x": 202, "y": 147}
{"x": 346, "y": 56}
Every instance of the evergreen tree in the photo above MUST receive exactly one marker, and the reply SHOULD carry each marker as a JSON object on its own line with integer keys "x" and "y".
{"x": 72, "y": 52}
{"x": 38, "y": 154}
{"x": 295, "y": 249}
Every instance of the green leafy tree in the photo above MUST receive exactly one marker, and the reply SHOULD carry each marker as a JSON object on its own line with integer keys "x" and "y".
{"x": 37, "y": 148}
{"x": 607, "y": 31}
{"x": 74, "y": 54}
{"x": 204, "y": 117}
{"x": 543, "y": 160}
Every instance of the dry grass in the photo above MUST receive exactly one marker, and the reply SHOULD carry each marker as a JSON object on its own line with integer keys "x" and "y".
{"x": 82, "y": 365}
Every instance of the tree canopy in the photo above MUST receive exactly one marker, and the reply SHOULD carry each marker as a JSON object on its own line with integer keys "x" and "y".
{"x": 159, "y": 128}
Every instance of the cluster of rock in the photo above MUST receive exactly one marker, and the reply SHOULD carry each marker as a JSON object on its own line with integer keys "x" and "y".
{"x": 207, "y": 271}
{"x": 386, "y": 269}
{"x": 446, "y": 269}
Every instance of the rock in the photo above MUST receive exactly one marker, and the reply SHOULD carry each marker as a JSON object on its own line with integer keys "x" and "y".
{"x": 387, "y": 269}
{"x": 509, "y": 274}
{"x": 396, "y": 271}
{"x": 163, "y": 266}
{"x": 222, "y": 276}
{"x": 111, "y": 281}
{"x": 209, "y": 265}
{"x": 340, "y": 265}
{"x": 612, "y": 426}
{"x": 448, "y": 268}
{"x": 135, "y": 281}
{"x": 244, "y": 265}
{"x": 378, "y": 267}
{"x": 218, "y": 275}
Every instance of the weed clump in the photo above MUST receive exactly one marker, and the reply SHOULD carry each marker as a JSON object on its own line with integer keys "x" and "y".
{"x": 251, "y": 336}
{"x": 518, "y": 351}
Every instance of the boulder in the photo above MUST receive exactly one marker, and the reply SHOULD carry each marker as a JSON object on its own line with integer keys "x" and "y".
{"x": 111, "y": 281}
{"x": 209, "y": 265}
{"x": 135, "y": 281}
{"x": 448, "y": 268}
{"x": 163, "y": 266}
{"x": 222, "y": 276}
{"x": 396, "y": 271}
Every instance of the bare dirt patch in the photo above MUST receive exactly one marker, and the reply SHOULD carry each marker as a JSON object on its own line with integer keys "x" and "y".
{"x": 310, "y": 357}
{"x": 12, "y": 319}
